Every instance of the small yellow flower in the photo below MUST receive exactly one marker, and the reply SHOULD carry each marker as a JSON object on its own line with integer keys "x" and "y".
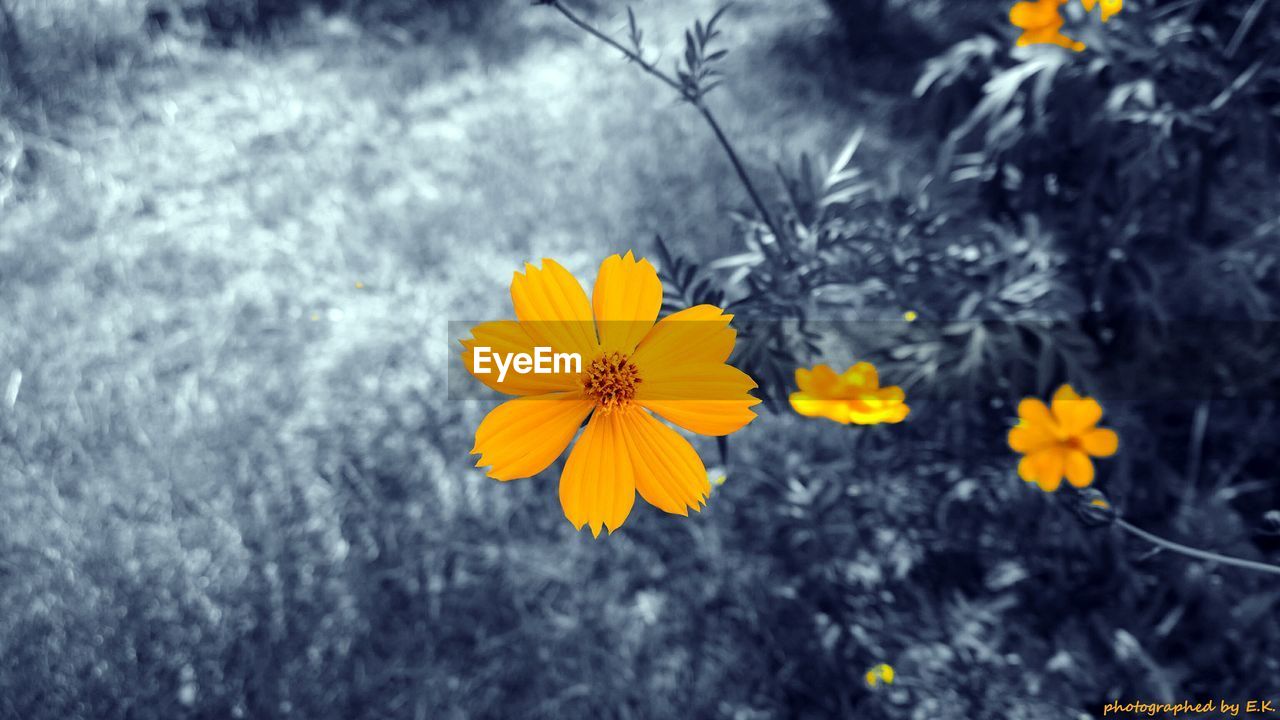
{"x": 880, "y": 674}
{"x": 635, "y": 369}
{"x": 1059, "y": 441}
{"x": 910, "y": 315}
{"x": 1109, "y": 7}
{"x": 854, "y": 396}
{"x": 1041, "y": 24}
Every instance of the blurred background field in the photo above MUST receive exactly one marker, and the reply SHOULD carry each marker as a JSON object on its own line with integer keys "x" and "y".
{"x": 233, "y": 484}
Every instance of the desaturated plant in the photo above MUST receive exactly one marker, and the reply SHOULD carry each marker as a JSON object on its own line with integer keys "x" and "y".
{"x": 1147, "y": 151}
{"x": 1005, "y": 300}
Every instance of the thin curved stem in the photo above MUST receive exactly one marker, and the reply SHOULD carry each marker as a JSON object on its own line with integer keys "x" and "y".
{"x": 633, "y": 57}
{"x": 1196, "y": 553}
{"x": 694, "y": 100}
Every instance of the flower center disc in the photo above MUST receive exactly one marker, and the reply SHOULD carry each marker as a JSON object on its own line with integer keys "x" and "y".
{"x": 610, "y": 381}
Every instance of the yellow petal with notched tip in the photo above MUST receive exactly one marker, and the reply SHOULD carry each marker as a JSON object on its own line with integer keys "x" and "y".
{"x": 598, "y": 485}
{"x": 668, "y": 472}
{"x": 521, "y": 437}
{"x": 697, "y": 334}
{"x": 554, "y": 310}
{"x": 626, "y": 301}
{"x": 705, "y": 398}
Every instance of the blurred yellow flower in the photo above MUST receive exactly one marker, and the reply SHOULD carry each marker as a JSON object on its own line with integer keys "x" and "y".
{"x": 1109, "y": 7}
{"x": 1059, "y": 441}
{"x": 1041, "y": 21}
{"x": 854, "y": 396}
{"x": 880, "y": 674}
{"x": 633, "y": 366}
{"x": 1041, "y": 24}
{"x": 910, "y": 315}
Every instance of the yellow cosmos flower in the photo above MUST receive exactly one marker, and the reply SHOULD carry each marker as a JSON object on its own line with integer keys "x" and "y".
{"x": 633, "y": 367}
{"x": 1109, "y": 7}
{"x": 854, "y": 396}
{"x": 1059, "y": 441}
{"x": 881, "y": 673}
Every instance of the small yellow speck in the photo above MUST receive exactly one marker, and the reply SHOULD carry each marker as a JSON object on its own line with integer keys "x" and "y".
{"x": 910, "y": 315}
{"x": 1099, "y": 502}
{"x": 882, "y": 673}
{"x": 315, "y": 317}
{"x": 359, "y": 285}
{"x": 719, "y": 480}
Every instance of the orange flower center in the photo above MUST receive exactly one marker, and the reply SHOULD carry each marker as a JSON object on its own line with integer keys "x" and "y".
{"x": 610, "y": 381}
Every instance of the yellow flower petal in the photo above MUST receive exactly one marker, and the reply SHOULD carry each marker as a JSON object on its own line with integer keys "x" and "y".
{"x": 862, "y": 376}
{"x": 521, "y": 437}
{"x": 1100, "y": 442}
{"x": 821, "y": 381}
{"x": 554, "y": 310}
{"x": 1048, "y": 468}
{"x": 626, "y": 301}
{"x": 1065, "y": 392}
{"x": 1075, "y": 414}
{"x": 697, "y": 334}
{"x": 810, "y": 406}
{"x": 509, "y": 336}
{"x": 875, "y": 412}
{"x": 1109, "y": 7}
{"x": 1028, "y": 438}
{"x": 1034, "y": 412}
{"x": 1078, "y": 468}
{"x": 897, "y": 413}
{"x": 1027, "y": 469}
{"x": 705, "y": 398}
{"x": 891, "y": 394}
{"x": 668, "y": 472}
{"x": 1050, "y": 483}
{"x": 598, "y": 485}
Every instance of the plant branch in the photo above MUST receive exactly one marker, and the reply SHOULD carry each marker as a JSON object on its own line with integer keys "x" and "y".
{"x": 742, "y": 172}
{"x": 1195, "y": 553}
{"x": 631, "y": 55}
{"x": 694, "y": 99}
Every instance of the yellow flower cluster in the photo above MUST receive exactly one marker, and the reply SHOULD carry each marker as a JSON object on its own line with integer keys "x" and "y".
{"x": 638, "y": 368}
{"x": 1041, "y": 21}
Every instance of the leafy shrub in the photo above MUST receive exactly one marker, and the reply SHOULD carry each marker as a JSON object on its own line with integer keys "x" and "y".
{"x": 1097, "y": 255}
{"x": 1148, "y": 152}
{"x": 1136, "y": 147}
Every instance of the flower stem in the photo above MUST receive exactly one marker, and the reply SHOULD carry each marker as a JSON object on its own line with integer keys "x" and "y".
{"x": 694, "y": 100}
{"x": 1195, "y": 553}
